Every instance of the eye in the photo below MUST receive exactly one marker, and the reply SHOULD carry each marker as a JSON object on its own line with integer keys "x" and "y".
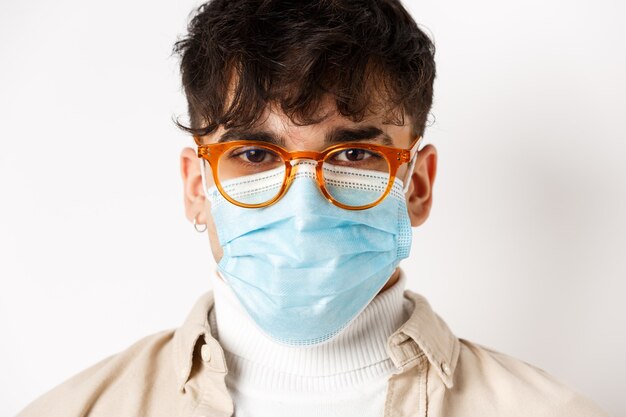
{"x": 352, "y": 155}
{"x": 255, "y": 155}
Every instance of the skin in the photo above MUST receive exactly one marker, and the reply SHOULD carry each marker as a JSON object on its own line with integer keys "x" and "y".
{"x": 311, "y": 137}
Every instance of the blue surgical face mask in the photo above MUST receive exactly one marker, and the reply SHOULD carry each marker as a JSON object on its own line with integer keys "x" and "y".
{"x": 304, "y": 268}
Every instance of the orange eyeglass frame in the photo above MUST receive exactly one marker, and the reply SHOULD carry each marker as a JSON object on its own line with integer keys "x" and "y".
{"x": 395, "y": 157}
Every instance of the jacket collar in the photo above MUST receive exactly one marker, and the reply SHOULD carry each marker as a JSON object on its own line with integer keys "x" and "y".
{"x": 424, "y": 333}
{"x": 186, "y": 337}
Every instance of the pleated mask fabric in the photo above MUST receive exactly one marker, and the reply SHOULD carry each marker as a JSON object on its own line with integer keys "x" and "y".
{"x": 304, "y": 268}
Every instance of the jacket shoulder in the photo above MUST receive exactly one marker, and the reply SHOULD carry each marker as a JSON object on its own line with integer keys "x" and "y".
{"x": 122, "y": 384}
{"x": 502, "y": 385}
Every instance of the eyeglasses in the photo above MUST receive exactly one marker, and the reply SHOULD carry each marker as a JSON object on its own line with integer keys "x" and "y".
{"x": 353, "y": 176}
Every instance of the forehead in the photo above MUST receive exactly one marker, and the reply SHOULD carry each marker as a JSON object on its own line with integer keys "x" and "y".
{"x": 332, "y": 128}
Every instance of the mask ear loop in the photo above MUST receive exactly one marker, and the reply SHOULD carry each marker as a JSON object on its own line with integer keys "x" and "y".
{"x": 409, "y": 172}
{"x": 202, "y": 169}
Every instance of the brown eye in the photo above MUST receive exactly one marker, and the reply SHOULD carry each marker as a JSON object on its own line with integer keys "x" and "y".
{"x": 251, "y": 155}
{"x": 352, "y": 155}
{"x": 355, "y": 154}
{"x": 255, "y": 155}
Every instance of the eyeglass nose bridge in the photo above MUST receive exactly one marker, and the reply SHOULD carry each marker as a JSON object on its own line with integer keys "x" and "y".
{"x": 295, "y": 158}
{"x": 300, "y": 159}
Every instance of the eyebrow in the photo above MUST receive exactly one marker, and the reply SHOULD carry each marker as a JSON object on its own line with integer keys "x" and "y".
{"x": 334, "y": 136}
{"x": 355, "y": 134}
{"x": 258, "y": 135}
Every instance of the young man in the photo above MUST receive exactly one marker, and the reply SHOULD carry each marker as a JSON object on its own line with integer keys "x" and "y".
{"x": 308, "y": 177}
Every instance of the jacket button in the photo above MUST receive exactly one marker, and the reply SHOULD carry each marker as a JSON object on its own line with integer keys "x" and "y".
{"x": 205, "y": 352}
{"x": 445, "y": 368}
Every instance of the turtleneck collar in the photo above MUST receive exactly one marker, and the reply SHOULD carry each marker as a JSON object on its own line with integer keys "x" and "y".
{"x": 355, "y": 355}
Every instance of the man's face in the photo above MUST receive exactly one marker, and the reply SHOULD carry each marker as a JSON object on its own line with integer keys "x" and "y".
{"x": 314, "y": 138}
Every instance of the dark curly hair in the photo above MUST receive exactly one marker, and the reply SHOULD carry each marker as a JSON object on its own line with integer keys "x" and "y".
{"x": 368, "y": 55}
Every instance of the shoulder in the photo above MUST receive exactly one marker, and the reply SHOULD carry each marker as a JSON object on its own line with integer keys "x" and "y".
{"x": 120, "y": 385}
{"x": 507, "y": 386}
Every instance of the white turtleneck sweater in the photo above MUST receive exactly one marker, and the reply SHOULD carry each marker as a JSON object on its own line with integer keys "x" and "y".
{"x": 344, "y": 377}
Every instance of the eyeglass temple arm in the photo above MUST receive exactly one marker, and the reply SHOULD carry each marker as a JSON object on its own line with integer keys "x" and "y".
{"x": 413, "y": 155}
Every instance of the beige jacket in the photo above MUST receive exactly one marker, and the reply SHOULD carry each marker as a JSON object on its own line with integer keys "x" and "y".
{"x": 181, "y": 374}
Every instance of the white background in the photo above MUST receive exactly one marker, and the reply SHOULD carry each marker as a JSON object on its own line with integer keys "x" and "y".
{"x": 524, "y": 250}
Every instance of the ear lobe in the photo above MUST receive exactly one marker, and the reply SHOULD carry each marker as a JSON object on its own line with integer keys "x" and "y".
{"x": 419, "y": 197}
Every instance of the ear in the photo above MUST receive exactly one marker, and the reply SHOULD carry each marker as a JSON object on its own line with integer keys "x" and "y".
{"x": 420, "y": 195}
{"x": 193, "y": 193}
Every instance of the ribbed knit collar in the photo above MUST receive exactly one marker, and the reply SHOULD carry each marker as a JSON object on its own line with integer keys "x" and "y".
{"x": 357, "y": 354}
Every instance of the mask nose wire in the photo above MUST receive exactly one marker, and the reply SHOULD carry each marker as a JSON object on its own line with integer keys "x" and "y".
{"x": 296, "y": 163}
